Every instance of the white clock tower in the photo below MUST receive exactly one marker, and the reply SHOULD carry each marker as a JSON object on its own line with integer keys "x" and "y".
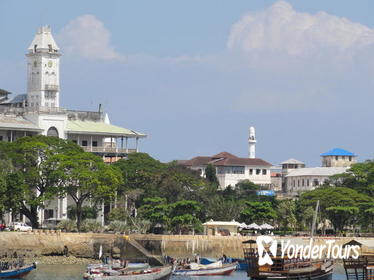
{"x": 43, "y": 81}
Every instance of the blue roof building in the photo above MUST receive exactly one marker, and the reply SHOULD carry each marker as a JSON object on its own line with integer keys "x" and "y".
{"x": 338, "y": 158}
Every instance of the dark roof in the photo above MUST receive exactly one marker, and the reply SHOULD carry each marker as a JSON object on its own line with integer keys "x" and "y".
{"x": 224, "y": 155}
{"x": 225, "y": 159}
{"x": 338, "y": 152}
{"x": 18, "y": 99}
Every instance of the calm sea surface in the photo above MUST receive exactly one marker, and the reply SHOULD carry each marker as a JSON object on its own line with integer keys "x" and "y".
{"x": 75, "y": 272}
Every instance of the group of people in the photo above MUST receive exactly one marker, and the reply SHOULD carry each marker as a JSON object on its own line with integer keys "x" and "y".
{"x": 12, "y": 265}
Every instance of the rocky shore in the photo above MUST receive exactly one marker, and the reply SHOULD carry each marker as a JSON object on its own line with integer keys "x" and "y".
{"x": 57, "y": 260}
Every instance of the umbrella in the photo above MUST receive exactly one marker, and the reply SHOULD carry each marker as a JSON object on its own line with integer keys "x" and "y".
{"x": 266, "y": 226}
{"x": 253, "y": 226}
{"x": 243, "y": 225}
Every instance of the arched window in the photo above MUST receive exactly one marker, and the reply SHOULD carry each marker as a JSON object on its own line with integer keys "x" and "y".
{"x": 52, "y": 131}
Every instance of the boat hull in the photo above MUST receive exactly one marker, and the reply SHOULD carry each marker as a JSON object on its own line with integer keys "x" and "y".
{"x": 17, "y": 273}
{"x": 224, "y": 270}
{"x": 163, "y": 274}
{"x": 325, "y": 276}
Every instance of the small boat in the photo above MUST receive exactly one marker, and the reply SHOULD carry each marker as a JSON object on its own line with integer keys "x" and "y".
{"x": 157, "y": 273}
{"x": 216, "y": 268}
{"x": 17, "y": 272}
{"x": 242, "y": 264}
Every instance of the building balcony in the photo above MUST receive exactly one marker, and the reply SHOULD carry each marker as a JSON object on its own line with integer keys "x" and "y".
{"x": 51, "y": 87}
{"x": 108, "y": 150}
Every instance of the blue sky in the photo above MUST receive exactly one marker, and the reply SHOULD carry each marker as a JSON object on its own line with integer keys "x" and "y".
{"x": 194, "y": 75}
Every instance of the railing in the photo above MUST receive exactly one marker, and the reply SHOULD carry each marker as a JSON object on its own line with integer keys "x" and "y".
{"x": 51, "y": 87}
{"x": 44, "y": 109}
{"x": 107, "y": 150}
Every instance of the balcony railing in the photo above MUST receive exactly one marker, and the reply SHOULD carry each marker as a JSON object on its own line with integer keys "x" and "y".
{"x": 51, "y": 87}
{"x": 112, "y": 150}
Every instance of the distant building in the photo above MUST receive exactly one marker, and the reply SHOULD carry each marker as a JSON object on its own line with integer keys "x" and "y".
{"x": 231, "y": 169}
{"x": 338, "y": 158}
{"x": 307, "y": 179}
{"x": 297, "y": 178}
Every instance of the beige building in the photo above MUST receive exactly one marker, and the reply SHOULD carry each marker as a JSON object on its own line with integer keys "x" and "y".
{"x": 221, "y": 228}
{"x": 338, "y": 158}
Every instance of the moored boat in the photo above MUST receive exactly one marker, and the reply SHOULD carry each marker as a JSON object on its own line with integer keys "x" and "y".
{"x": 287, "y": 269}
{"x": 195, "y": 269}
{"x": 157, "y": 273}
{"x": 17, "y": 271}
{"x": 242, "y": 264}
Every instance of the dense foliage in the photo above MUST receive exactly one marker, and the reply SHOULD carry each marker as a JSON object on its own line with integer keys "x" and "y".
{"x": 159, "y": 197}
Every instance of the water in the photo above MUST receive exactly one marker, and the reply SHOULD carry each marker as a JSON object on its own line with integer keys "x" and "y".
{"x": 75, "y": 272}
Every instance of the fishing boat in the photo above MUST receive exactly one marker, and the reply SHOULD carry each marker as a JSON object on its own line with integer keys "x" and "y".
{"x": 287, "y": 269}
{"x": 194, "y": 269}
{"x": 157, "y": 273}
{"x": 17, "y": 271}
{"x": 242, "y": 264}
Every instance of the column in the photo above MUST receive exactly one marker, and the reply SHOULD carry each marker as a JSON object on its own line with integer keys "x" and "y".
{"x": 127, "y": 149}
{"x": 58, "y": 212}
{"x": 11, "y": 136}
{"x": 102, "y": 214}
{"x": 116, "y": 145}
{"x": 91, "y": 143}
{"x": 64, "y": 208}
{"x": 137, "y": 143}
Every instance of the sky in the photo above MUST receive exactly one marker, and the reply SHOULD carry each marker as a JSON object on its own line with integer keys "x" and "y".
{"x": 195, "y": 75}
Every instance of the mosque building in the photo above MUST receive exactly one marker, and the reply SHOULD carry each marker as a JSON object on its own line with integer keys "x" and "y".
{"x": 39, "y": 112}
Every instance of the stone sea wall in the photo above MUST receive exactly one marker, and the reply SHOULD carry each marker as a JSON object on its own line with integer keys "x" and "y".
{"x": 87, "y": 245}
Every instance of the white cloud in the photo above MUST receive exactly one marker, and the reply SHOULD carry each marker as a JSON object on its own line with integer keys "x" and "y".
{"x": 280, "y": 28}
{"x": 87, "y": 36}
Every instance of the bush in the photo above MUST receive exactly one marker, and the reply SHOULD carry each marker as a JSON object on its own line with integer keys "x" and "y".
{"x": 117, "y": 226}
{"x": 118, "y": 214}
{"x": 91, "y": 225}
{"x": 67, "y": 225}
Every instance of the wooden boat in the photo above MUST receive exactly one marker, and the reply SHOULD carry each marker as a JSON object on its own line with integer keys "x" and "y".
{"x": 206, "y": 270}
{"x": 287, "y": 269}
{"x": 157, "y": 273}
{"x": 17, "y": 272}
{"x": 242, "y": 264}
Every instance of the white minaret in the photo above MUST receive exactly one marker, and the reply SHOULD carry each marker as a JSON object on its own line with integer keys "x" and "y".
{"x": 43, "y": 77}
{"x": 252, "y": 142}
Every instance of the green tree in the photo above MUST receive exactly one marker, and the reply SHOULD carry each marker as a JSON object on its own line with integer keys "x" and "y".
{"x": 33, "y": 182}
{"x": 286, "y": 213}
{"x": 210, "y": 174}
{"x": 341, "y": 216}
{"x": 156, "y": 210}
{"x": 85, "y": 176}
{"x": 258, "y": 212}
{"x": 184, "y": 216}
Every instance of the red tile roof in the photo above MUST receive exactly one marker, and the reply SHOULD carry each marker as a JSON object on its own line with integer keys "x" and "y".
{"x": 226, "y": 159}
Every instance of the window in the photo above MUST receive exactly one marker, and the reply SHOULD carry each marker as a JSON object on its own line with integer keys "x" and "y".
{"x": 94, "y": 143}
{"x": 1, "y": 138}
{"x": 238, "y": 170}
{"x": 315, "y": 182}
{"x": 336, "y": 157}
{"x": 307, "y": 182}
{"x": 52, "y": 131}
{"x": 50, "y": 48}
{"x": 250, "y": 171}
{"x": 350, "y": 158}
{"x": 264, "y": 171}
{"x": 48, "y": 213}
{"x": 343, "y": 157}
{"x": 302, "y": 182}
{"x": 258, "y": 171}
{"x": 221, "y": 170}
{"x": 84, "y": 143}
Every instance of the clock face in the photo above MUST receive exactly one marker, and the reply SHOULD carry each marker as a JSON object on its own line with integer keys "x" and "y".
{"x": 35, "y": 63}
{"x": 50, "y": 63}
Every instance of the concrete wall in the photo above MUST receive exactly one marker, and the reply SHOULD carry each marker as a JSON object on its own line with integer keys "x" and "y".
{"x": 88, "y": 244}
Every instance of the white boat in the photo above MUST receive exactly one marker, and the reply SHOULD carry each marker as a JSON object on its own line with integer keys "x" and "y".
{"x": 157, "y": 273}
{"x": 203, "y": 270}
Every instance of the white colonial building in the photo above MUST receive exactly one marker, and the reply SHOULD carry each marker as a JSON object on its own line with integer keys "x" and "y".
{"x": 39, "y": 112}
{"x": 231, "y": 169}
{"x": 299, "y": 179}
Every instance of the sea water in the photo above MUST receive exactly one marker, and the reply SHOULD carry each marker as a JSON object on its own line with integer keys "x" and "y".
{"x": 75, "y": 272}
